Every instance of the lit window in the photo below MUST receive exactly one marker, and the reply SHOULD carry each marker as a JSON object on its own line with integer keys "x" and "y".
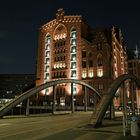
{"x": 64, "y": 35}
{"x": 47, "y": 91}
{"x": 73, "y": 34}
{"x": 91, "y": 73}
{"x": 73, "y": 50}
{"x": 47, "y": 76}
{"x": 47, "y": 54}
{"x": 73, "y": 65}
{"x": 48, "y": 47}
{"x": 55, "y": 66}
{"x": 74, "y": 90}
{"x": 48, "y": 41}
{"x": 47, "y": 69}
{"x": 73, "y": 41}
{"x": 64, "y": 65}
{"x": 60, "y": 65}
{"x": 73, "y": 73}
{"x": 73, "y": 57}
{"x": 84, "y": 74}
{"x": 100, "y": 72}
{"x": 48, "y": 61}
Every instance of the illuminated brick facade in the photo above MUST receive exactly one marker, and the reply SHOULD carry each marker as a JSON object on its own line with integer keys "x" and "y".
{"x": 69, "y": 48}
{"x": 134, "y": 68}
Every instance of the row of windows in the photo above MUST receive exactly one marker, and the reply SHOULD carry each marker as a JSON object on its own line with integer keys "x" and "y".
{"x": 61, "y": 58}
{"x": 84, "y": 63}
{"x": 84, "y": 54}
{"x": 59, "y": 51}
{"x": 90, "y": 74}
{"x": 90, "y": 63}
{"x": 61, "y": 74}
{"x": 60, "y": 43}
{"x": 59, "y": 65}
{"x": 90, "y": 55}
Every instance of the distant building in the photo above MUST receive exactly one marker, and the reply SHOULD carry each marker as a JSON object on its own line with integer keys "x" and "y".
{"x": 69, "y": 48}
{"x": 12, "y": 85}
{"x": 134, "y": 68}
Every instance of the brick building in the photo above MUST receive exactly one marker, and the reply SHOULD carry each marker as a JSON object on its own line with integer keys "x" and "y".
{"x": 134, "y": 68}
{"x": 69, "y": 48}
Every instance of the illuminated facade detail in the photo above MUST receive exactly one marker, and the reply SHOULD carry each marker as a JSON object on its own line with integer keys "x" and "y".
{"x": 47, "y": 58}
{"x": 73, "y": 53}
{"x": 100, "y": 66}
{"x": 73, "y": 56}
{"x": 84, "y": 74}
{"x": 73, "y": 50}
{"x": 91, "y": 74}
{"x": 134, "y": 68}
{"x": 100, "y": 72}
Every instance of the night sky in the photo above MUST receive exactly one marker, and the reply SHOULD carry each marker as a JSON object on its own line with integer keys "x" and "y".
{"x": 20, "y": 20}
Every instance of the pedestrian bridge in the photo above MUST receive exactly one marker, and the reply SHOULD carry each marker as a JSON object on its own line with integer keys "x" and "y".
{"x": 99, "y": 113}
{"x": 4, "y": 109}
{"x": 106, "y": 100}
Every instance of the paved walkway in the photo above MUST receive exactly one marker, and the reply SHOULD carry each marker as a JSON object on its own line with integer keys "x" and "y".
{"x": 60, "y": 127}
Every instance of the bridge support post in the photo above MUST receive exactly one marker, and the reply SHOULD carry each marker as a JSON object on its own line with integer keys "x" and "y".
{"x": 95, "y": 101}
{"x": 124, "y": 110}
{"x": 132, "y": 98}
{"x": 27, "y": 107}
{"x": 112, "y": 111}
{"x": 54, "y": 99}
{"x": 85, "y": 99}
{"x": 72, "y": 99}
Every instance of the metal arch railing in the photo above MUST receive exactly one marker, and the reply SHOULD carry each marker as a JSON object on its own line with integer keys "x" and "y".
{"x": 111, "y": 93}
{"x": 4, "y": 109}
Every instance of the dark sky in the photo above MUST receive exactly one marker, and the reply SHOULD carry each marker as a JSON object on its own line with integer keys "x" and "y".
{"x": 20, "y": 20}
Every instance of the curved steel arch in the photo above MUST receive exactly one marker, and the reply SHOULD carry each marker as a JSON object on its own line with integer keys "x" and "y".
{"x": 111, "y": 93}
{"x": 37, "y": 89}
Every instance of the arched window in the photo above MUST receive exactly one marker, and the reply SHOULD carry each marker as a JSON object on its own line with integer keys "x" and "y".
{"x": 48, "y": 39}
{"x": 60, "y": 32}
{"x": 73, "y": 32}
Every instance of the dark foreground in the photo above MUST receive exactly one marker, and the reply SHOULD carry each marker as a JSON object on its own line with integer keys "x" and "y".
{"x": 60, "y": 127}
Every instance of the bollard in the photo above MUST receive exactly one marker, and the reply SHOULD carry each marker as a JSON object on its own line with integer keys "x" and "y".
{"x": 134, "y": 128}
